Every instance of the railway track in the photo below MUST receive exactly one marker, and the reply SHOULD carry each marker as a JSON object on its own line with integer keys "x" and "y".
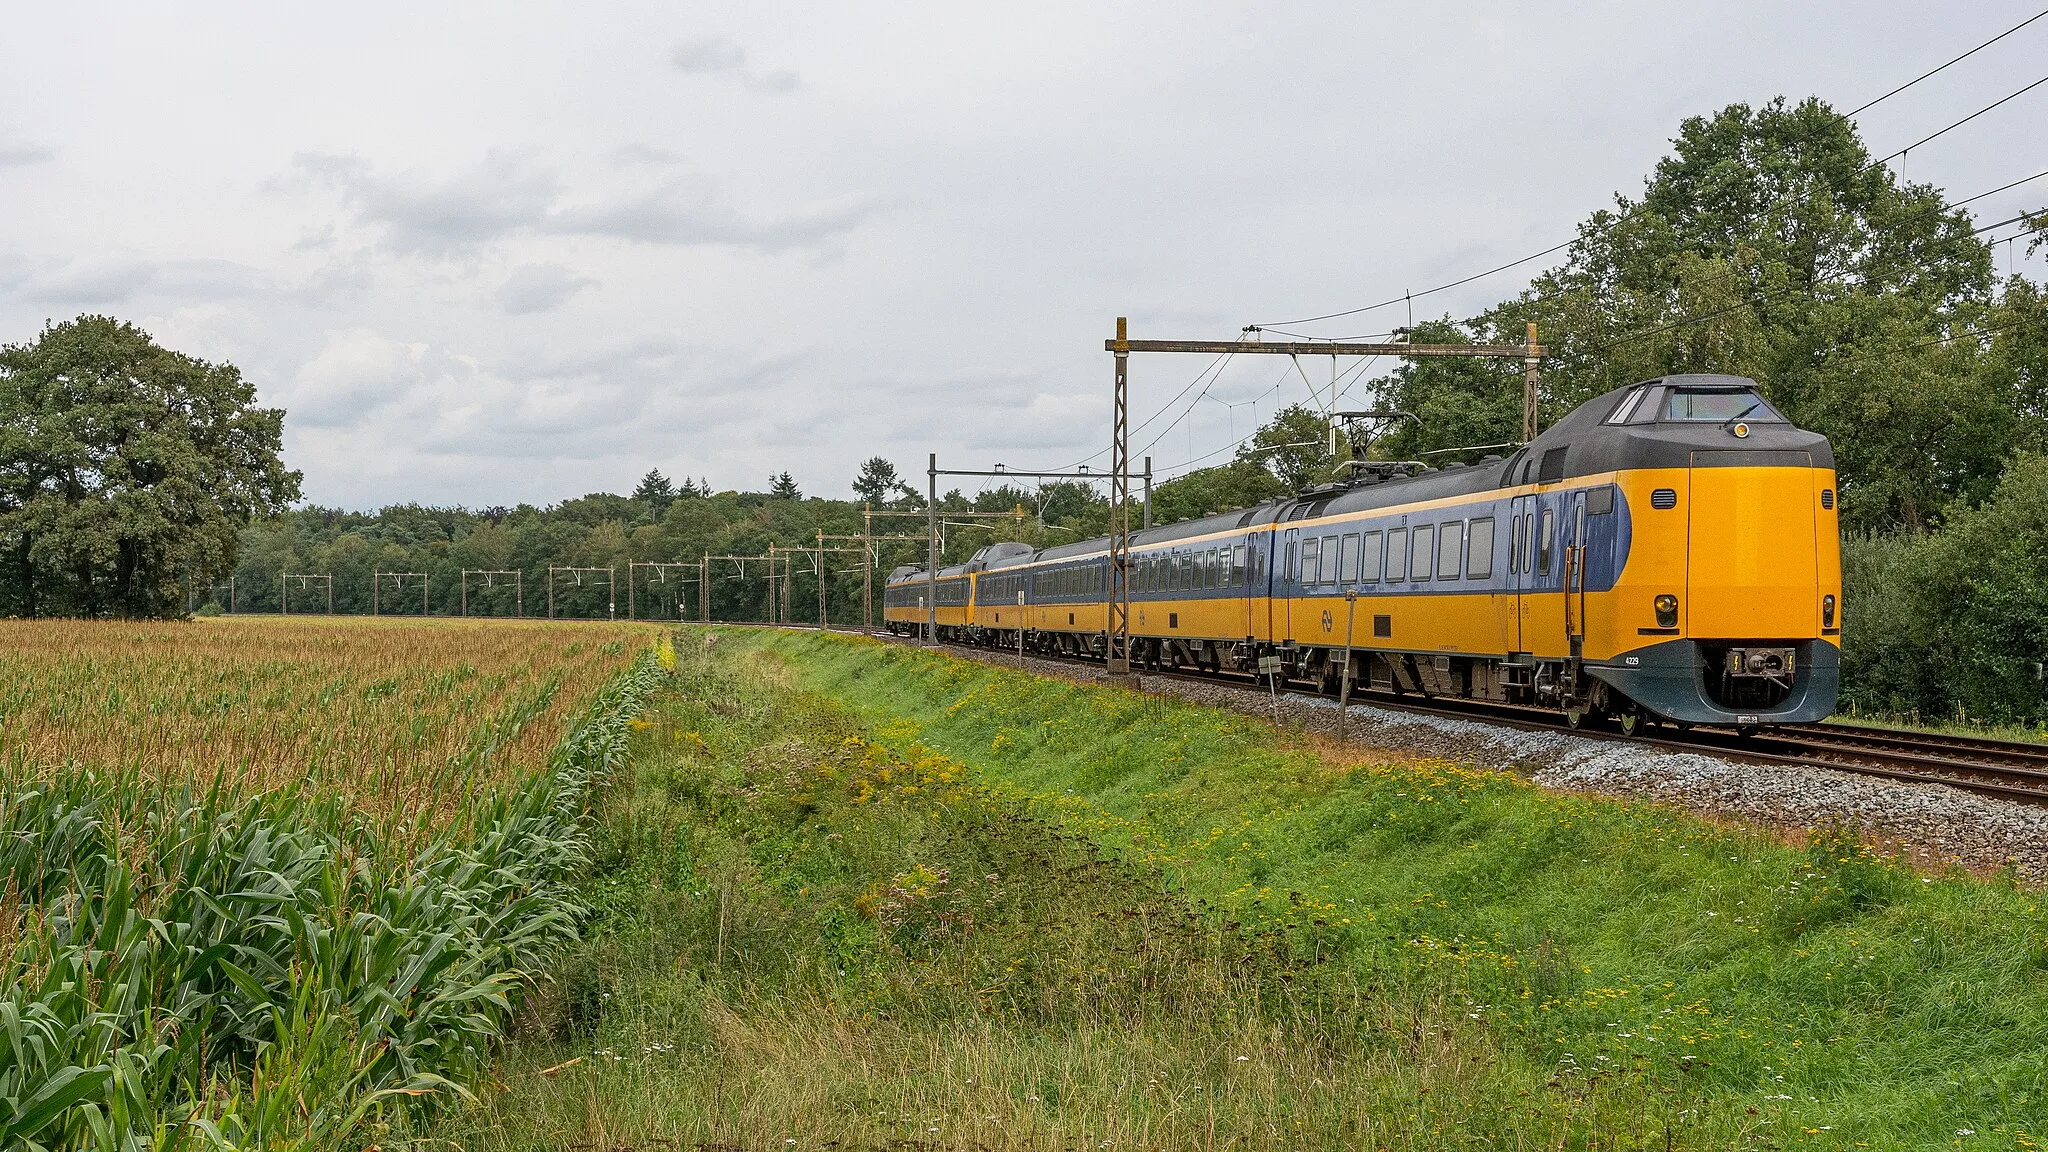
{"x": 2001, "y": 769}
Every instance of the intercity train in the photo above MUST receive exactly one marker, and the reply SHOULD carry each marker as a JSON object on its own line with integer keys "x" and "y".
{"x": 1668, "y": 552}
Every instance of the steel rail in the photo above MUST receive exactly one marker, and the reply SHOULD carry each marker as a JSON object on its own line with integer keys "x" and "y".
{"x": 1890, "y": 754}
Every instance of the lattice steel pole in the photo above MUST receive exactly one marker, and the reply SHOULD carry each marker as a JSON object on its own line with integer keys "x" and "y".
{"x": 1120, "y": 511}
{"x": 1530, "y": 370}
{"x": 931, "y": 572}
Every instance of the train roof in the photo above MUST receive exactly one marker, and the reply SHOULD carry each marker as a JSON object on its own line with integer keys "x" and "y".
{"x": 1626, "y": 428}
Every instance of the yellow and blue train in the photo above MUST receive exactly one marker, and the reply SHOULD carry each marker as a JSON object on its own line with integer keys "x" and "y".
{"x": 1667, "y": 552}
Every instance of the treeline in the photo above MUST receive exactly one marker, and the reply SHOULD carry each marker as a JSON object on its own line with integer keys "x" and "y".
{"x": 659, "y": 523}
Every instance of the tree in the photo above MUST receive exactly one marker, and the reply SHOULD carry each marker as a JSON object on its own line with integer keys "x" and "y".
{"x": 877, "y": 480}
{"x": 1770, "y": 244}
{"x": 1294, "y": 446}
{"x": 1457, "y": 402}
{"x": 783, "y": 487}
{"x": 126, "y": 470}
{"x": 1207, "y": 491}
{"x": 656, "y": 492}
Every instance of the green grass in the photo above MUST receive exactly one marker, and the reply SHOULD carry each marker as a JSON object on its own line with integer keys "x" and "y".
{"x": 859, "y": 893}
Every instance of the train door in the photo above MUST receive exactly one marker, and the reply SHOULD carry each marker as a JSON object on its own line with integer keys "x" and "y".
{"x": 1283, "y": 590}
{"x": 1243, "y": 562}
{"x": 1521, "y": 571}
{"x": 1575, "y": 574}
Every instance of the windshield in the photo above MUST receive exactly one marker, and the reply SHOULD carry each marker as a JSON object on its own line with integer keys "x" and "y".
{"x": 1687, "y": 404}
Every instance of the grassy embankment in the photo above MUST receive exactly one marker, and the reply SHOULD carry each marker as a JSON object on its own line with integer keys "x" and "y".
{"x": 272, "y": 884}
{"x": 865, "y": 894}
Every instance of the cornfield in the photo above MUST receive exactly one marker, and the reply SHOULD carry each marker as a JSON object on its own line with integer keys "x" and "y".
{"x": 399, "y": 719}
{"x": 209, "y": 943}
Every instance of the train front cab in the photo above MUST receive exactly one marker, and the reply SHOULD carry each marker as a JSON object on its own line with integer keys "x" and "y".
{"x": 1728, "y": 609}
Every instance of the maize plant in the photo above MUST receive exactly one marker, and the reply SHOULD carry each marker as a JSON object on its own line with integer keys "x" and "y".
{"x": 209, "y": 968}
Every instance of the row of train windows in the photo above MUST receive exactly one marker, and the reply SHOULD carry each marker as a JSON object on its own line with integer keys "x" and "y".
{"x": 1443, "y": 551}
{"x": 1069, "y": 582}
{"x": 1221, "y": 567}
{"x": 1407, "y": 553}
{"x": 999, "y": 589}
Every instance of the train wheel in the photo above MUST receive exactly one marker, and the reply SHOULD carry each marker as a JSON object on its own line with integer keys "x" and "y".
{"x": 1632, "y": 721}
{"x": 1575, "y": 718}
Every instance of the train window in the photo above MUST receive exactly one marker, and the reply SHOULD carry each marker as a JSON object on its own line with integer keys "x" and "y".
{"x": 1551, "y": 470}
{"x": 1425, "y": 552}
{"x": 1311, "y": 561}
{"x": 1329, "y": 560}
{"x": 1479, "y": 550}
{"x": 1600, "y": 501}
{"x": 1627, "y": 406}
{"x": 1347, "y": 559}
{"x": 1717, "y": 405}
{"x": 1369, "y": 559}
{"x": 1397, "y": 554}
{"x": 1449, "y": 549}
{"x": 1543, "y": 543}
{"x": 1212, "y": 572}
{"x": 1237, "y": 579}
{"x": 1515, "y": 530}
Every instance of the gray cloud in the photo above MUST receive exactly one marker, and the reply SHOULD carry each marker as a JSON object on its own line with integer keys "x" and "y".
{"x": 723, "y": 56}
{"x": 540, "y": 288}
{"x": 21, "y": 153}
{"x": 118, "y": 278}
{"x": 508, "y": 194}
{"x": 429, "y": 216}
{"x": 691, "y": 209}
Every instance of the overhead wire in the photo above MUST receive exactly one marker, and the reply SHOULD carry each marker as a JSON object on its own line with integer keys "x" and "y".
{"x": 1688, "y": 321}
{"x": 1957, "y": 60}
{"x": 1625, "y": 216}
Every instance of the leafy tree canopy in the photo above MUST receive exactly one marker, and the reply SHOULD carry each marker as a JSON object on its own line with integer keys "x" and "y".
{"x": 656, "y": 491}
{"x": 1769, "y": 244}
{"x": 126, "y": 470}
{"x": 877, "y": 481}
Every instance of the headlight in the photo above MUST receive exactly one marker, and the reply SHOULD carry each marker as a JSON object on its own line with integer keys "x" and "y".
{"x": 1667, "y": 610}
{"x": 1827, "y": 611}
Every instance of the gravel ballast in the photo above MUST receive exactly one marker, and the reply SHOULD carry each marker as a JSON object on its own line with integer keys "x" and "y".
{"x": 1931, "y": 824}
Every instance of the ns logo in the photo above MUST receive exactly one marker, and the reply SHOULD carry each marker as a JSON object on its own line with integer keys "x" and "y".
{"x": 1329, "y": 621}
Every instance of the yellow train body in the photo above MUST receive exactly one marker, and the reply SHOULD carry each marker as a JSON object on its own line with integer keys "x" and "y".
{"x": 1685, "y": 569}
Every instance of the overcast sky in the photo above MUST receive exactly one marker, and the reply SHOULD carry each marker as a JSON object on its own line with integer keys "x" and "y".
{"x": 499, "y": 253}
